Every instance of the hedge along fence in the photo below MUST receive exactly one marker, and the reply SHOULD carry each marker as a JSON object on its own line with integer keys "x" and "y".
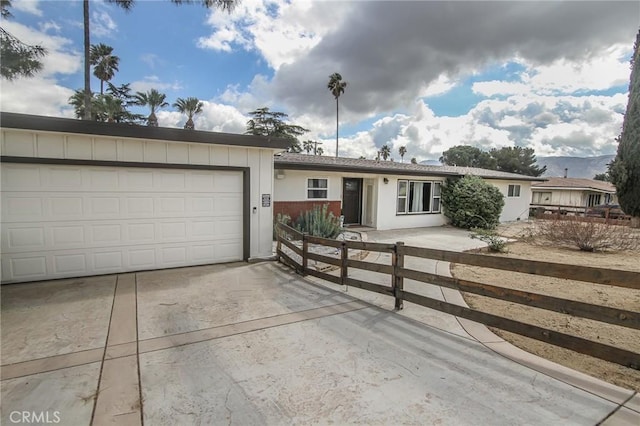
{"x": 298, "y": 258}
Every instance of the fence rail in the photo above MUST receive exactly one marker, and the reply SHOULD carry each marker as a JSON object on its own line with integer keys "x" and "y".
{"x": 299, "y": 256}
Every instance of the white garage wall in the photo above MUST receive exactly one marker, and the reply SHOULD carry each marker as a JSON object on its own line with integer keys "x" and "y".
{"x": 41, "y": 144}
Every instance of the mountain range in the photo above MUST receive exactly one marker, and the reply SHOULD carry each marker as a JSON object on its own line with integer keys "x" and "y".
{"x": 577, "y": 167}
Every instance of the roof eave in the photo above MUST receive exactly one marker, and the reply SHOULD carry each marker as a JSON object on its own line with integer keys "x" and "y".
{"x": 10, "y": 120}
{"x": 289, "y": 165}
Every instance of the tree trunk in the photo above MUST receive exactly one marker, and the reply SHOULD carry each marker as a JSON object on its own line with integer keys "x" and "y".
{"x": 189, "y": 125}
{"x": 87, "y": 67}
{"x": 152, "y": 121}
{"x": 336, "y": 127}
{"x": 635, "y": 221}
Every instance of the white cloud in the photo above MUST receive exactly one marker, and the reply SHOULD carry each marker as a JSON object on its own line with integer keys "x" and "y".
{"x": 42, "y": 94}
{"x": 214, "y": 117}
{"x": 151, "y": 59}
{"x": 438, "y": 87}
{"x": 605, "y": 69}
{"x": 28, "y": 6}
{"x": 102, "y": 25}
{"x": 493, "y": 88}
{"x": 37, "y": 95}
{"x": 49, "y": 26}
{"x": 153, "y": 82}
{"x": 280, "y": 30}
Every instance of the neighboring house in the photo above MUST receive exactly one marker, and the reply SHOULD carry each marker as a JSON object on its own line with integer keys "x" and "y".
{"x": 571, "y": 194}
{"x": 86, "y": 198}
{"x": 383, "y": 194}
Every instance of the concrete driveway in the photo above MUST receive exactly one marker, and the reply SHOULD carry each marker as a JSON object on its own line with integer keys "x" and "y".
{"x": 256, "y": 344}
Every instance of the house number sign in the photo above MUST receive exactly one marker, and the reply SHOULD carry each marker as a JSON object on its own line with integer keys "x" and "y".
{"x": 266, "y": 200}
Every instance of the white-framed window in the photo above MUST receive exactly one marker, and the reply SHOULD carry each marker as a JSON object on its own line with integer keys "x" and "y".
{"x": 318, "y": 188}
{"x": 513, "y": 191}
{"x": 415, "y": 197}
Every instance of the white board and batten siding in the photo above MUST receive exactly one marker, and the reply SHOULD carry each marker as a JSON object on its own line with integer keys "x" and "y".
{"x": 66, "y": 220}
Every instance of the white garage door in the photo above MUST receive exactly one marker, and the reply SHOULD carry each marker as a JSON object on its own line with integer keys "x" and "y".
{"x": 69, "y": 221}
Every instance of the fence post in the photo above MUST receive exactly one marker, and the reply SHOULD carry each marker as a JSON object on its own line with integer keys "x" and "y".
{"x": 278, "y": 242}
{"x": 397, "y": 282}
{"x": 344, "y": 256}
{"x": 305, "y": 251}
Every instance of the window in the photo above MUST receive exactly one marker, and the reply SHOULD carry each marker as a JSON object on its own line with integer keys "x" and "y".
{"x": 317, "y": 188}
{"x": 593, "y": 200}
{"x": 541, "y": 197}
{"x": 514, "y": 191}
{"x": 418, "y": 197}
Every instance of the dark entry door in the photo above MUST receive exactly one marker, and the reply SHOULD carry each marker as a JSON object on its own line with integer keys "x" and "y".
{"x": 352, "y": 200}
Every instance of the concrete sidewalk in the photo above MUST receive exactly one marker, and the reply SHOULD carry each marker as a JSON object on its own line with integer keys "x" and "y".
{"x": 257, "y": 344}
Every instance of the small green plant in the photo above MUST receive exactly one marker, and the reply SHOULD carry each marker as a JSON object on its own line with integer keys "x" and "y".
{"x": 495, "y": 242}
{"x": 318, "y": 222}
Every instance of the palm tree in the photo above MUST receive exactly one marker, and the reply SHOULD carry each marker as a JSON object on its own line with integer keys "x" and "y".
{"x": 336, "y": 86}
{"x": 402, "y": 150}
{"x": 126, "y": 5}
{"x": 225, "y": 5}
{"x": 110, "y": 108}
{"x": 105, "y": 64}
{"x": 191, "y": 107}
{"x": 414, "y": 160}
{"x": 154, "y": 100}
{"x": 319, "y": 151}
{"x": 385, "y": 151}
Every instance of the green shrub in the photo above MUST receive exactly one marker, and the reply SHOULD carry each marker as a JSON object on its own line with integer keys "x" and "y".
{"x": 318, "y": 222}
{"x": 280, "y": 218}
{"x": 470, "y": 202}
{"x": 494, "y": 241}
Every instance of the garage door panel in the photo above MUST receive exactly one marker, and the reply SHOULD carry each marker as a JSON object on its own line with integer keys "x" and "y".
{"x": 226, "y": 252}
{"x": 73, "y": 263}
{"x": 56, "y": 230}
{"x": 108, "y": 261}
{"x": 24, "y": 238}
{"x": 20, "y": 176}
{"x": 227, "y": 182}
{"x": 32, "y": 267}
{"x": 105, "y": 207}
{"x": 108, "y": 180}
{"x": 64, "y": 178}
{"x": 106, "y": 234}
{"x": 137, "y": 180}
{"x": 142, "y": 258}
{"x": 172, "y": 181}
{"x": 15, "y": 207}
{"x": 228, "y": 227}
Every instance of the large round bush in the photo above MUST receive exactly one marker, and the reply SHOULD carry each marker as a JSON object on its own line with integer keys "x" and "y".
{"x": 470, "y": 202}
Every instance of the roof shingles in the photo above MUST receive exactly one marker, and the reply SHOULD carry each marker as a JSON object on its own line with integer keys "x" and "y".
{"x": 576, "y": 183}
{"x": 317, "y": 162}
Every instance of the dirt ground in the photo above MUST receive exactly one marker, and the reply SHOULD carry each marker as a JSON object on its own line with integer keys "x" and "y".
{"x": 618, "y": 297}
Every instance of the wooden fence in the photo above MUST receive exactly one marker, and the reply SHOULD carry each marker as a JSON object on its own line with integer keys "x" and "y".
{"x": 299, "y": 255}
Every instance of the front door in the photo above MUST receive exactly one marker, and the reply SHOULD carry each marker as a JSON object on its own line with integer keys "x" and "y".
{"x": 352, "y": 200}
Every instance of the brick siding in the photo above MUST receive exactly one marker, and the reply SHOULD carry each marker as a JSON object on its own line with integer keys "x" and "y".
{"x": 293, "y": 208}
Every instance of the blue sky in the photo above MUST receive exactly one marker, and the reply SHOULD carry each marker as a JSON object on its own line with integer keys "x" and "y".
{"x": 552, "y": 76}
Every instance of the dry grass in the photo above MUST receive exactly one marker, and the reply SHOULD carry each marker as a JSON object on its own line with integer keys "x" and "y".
{"x": 618, "y": 297}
